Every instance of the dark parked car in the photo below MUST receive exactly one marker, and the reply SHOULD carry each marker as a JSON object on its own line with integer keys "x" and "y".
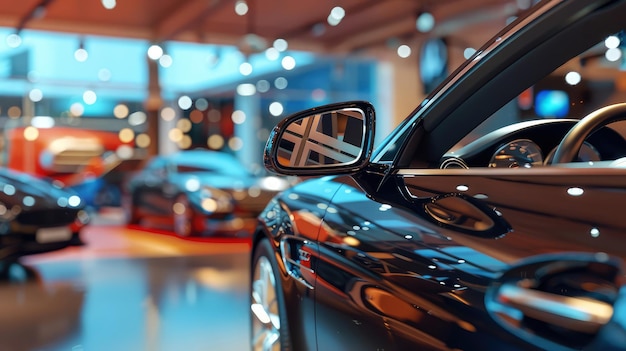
{"x": 491, "y": 218}
{"x": 36, "y": 216}
{"x": 199, "y": 192}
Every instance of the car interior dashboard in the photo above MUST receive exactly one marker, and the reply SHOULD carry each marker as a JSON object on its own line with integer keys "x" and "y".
{"x": 532, "y": 144}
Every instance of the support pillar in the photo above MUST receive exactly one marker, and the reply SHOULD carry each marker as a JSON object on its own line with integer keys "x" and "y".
{"x": 152, "y": 106}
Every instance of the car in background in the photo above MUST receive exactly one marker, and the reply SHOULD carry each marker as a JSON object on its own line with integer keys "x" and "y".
{"x": 36, "y": 216}
{"x": 89, "y": 162}
{"x": 199, "y": 192}
{"x": 491, "y": 218}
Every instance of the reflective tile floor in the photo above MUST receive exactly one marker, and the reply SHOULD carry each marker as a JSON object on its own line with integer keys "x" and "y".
{"x": 128, "y": 289}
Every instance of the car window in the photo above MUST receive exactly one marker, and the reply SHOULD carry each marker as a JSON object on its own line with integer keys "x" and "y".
{"x": 581, "y": 85}
{"x": 527, "y": 129}
{"x": 519, "y": 62}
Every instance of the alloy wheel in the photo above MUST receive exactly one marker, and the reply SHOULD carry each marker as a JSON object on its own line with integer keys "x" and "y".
{"x": 265, "y": 308}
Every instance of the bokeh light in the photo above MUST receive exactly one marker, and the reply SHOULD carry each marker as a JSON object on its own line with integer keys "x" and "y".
{"x": 142, "y": 140}
{"x": 168, "y": 114}
{"x": 120, "y": 111}
{"x": 126, "y": 135}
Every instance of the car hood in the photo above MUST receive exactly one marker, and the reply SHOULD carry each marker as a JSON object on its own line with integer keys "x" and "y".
{"x": 16, "y": 186}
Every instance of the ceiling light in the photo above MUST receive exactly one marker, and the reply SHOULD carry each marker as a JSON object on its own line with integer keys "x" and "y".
{"x": 280, "y": 44}
{"x": 89, "y": 97}
{"x": 263, "y": 86}
{"x": 425, "y": 22}
{"x": 272, "y": 54}
{"x": 612, "y": 42}
{"x": 276, "y": 108}
{"x": 155, "y": 52}
{"x": 573, "y": 78}
{"x": 338, "y": 13}
{"x": 184, "y": 102}
{"x": 245, "y": 68}
{"x": 14, "y": 40}
{"x": 246, "y": 89}
{"x": 575, "y": 191}
{"x": 241, "y": 8}
{"x": 404, "y": 51}
{"x": 288, "y": 63}
{"x": 280, "y": 83}
{"x": 165, "y": 61}
{"x": 109, "y": 4}
{"x": 81, "y": 54}
{"x": 35, "y": 95}
{"x": 468, "y": 52}
{"x": 613, "y": 54}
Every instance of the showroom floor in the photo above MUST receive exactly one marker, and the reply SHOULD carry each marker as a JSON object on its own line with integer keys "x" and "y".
{"x": 128, "y": 289}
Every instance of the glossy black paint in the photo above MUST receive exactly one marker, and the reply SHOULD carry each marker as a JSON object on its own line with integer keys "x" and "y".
{"x": 426, "y": 247}
{"x": 36, "y": 216}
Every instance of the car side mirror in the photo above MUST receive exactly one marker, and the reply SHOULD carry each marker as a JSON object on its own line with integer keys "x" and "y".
{"x": 331, "y": 139}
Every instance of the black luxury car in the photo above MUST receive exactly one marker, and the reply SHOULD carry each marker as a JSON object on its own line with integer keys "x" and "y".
{"x": 198, "y": 192}
{"x": 36, "y": 216}
{"x": 491, "y": 218}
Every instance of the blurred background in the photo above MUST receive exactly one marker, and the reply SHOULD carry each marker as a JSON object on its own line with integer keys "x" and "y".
{"x": 120, "y": 103}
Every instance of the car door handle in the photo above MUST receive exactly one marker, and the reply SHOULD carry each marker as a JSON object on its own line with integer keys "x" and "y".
{"x": 567, "y": 300}
{"x": 580, "y": 314}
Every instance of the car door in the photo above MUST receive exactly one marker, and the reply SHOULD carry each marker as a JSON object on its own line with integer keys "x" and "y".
{"x": 465, "y": 255}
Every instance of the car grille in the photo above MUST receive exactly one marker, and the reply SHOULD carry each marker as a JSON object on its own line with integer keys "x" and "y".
{"x": 47, "y": 217}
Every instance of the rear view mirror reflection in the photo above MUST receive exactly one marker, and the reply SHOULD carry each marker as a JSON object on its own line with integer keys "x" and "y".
{"x": 330, "y": 138}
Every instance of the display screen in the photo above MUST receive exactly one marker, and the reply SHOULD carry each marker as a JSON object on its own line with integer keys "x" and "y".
{"x": 552, "y": 103}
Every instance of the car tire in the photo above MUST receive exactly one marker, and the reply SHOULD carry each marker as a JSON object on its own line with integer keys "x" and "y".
{"x": 183, "y": 217}
{"x": 268, "y": 318}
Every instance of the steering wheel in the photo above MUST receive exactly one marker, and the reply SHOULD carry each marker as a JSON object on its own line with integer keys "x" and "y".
{"x": 570, "y": 145}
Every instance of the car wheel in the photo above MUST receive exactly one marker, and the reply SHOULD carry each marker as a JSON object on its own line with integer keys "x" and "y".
{"x": 183, "y": 216}
{"x": 267, "y": 303}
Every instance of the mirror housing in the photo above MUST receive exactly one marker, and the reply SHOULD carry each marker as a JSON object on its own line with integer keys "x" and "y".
{"x": 331, "y": 139}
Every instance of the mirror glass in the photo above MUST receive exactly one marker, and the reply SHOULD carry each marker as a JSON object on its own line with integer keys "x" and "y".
{"x": 328, "y": 138}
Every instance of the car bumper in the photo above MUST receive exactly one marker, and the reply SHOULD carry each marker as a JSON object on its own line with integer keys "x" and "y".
{"x": 15, "y": 245}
